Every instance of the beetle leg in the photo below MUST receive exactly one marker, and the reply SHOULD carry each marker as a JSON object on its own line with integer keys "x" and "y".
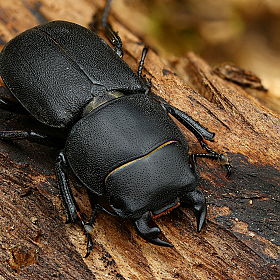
{"x": 11, "y": 106}
{"x": 71, "y": 208}
{"x": 140, "y": 68}
{"x": 149, "y": 234}
{"x": 199, "y": 131}
{"x": 221, "y": 159}
{"x": 141, "y": 63}
{"x": 114, "y": 39}
{"x": 67, "y": 197}
{"x": 33, "y": 136}
{"x": 201, "y": 134}
{"x": 196, "y": 201}
{"x": 112, "y": 35}
{"x": 91, "y": 220}
{"x": 87, "y": 234}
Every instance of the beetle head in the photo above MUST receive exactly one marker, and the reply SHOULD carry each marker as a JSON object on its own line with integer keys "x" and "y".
{"x": 150, "y": 186}
{"x": 151, "y": 183}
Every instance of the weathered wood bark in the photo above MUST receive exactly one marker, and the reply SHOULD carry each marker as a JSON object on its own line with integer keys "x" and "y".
{"x": 240, "y": 239}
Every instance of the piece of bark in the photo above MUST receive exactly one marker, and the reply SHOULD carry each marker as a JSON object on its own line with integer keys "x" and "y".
{"x": 240, "y": 239}
{"x": 239, "y": 76}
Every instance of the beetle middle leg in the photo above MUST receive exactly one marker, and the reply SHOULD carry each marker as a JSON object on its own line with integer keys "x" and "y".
{"x": 71, "y": 208}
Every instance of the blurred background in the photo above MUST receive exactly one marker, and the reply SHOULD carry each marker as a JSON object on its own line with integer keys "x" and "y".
{"x": 245, "y": 33}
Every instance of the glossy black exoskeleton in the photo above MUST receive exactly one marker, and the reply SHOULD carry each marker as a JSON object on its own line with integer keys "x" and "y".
{"x": 121, "y": 143}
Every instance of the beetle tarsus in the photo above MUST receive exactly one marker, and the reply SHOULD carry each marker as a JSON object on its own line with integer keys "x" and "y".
{"x": 204, "y": 145}
{"x": 114, "y": 39}
{"x": 33, "y": 136}
{"x": 146, "y": 80}
{"x": 91, "y": 220}
{"x": 87, "y": 234}
{"x": 221, "y": 159}
{"x": 89, "y": 244}
{"x": 105, "y": 14}
{"x": 228, "y": 169}
{"x": 112, "y": 35}
{"x": 141, "y": 63}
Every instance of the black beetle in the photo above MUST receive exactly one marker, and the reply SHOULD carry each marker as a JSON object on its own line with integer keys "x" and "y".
{"x": 121, "y": 143}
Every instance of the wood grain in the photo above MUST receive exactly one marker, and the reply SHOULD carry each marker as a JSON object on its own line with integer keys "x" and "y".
{"x": 240, "y": 239}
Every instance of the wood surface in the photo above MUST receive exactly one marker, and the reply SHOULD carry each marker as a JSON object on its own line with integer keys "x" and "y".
{"x": 240, "y": 239}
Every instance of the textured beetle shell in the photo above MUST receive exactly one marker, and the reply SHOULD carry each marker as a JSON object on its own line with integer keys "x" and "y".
{"x": 118, "y": 132}
{"x": 54, "y": 69}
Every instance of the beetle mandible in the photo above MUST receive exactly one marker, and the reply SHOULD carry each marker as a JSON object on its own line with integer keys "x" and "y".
{"x": 120, "y": 142}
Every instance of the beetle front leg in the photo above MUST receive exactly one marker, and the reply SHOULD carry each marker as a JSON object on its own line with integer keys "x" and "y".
{"x": 200, "y": 132}
{"x": 67, "y": 197}
{"x": 221, "y": 159}
{"x": 71, "y": 208}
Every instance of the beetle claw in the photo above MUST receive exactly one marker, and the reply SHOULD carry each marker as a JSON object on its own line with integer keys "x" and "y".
{"x": 149, "y": 234}
{"x": 228, "y": 168}
{"x": 223, "y": 161}
{"x": 200, "y": 212}
{"x": 160, "y": 242}
{"x": 196, "y": 201}
{"x": 89, "y": 244}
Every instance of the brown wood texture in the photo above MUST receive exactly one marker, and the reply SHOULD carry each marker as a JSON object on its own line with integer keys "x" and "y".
{"x": 240, "y": 239}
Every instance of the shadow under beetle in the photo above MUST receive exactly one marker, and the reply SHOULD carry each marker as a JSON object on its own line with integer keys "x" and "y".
{"x": 121, "y": 143}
